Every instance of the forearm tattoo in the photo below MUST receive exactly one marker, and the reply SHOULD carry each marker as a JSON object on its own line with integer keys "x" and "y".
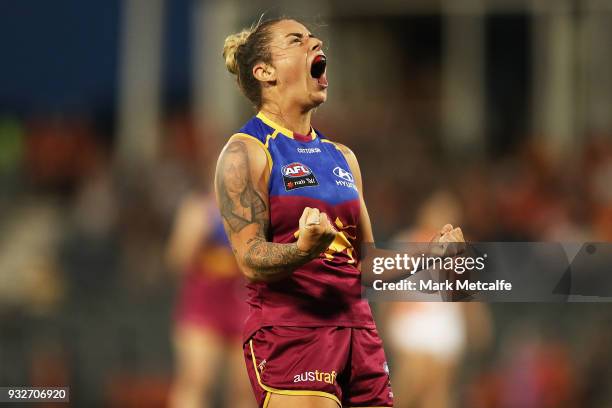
{"x": 241, "y": 205}
{"x": 269, "y": 260}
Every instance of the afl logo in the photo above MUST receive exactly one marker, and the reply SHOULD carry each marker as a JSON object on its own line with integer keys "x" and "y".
{"x": 343, "y": 174}
{"x": 298, "y": 175}
{"x": 295, "y": 170}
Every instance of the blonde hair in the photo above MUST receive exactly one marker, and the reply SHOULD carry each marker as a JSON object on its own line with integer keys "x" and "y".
{"x": 242, "y": 50}
{"x": 232, "y": 42}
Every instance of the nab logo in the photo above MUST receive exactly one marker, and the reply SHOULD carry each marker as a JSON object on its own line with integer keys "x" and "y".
{"x": 343, "y": 174}
{"x": 298, "y": 175}
{"x": 296, "y": 170}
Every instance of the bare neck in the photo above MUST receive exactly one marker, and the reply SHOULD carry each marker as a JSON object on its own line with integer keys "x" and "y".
{"x": 292, "y": 119}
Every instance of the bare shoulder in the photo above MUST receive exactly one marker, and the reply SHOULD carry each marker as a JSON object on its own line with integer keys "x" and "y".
{"x": 344, "y": 149}
{"x": 251, "y": 149}
{"x": 349, "y": 155}
{"x": 351, "y": 160}
{"x": 245, "y": 142}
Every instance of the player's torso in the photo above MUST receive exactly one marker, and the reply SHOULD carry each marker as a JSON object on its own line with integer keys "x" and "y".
{"x": 311, "y": 173}
{"x": 314, "y": 174}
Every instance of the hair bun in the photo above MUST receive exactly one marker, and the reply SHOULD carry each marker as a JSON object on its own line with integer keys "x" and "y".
{"x": 230, "y": 48}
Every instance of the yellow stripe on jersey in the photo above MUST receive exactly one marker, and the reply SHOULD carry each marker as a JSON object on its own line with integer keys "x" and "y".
{"x": 272, "y": 136}
{"x": 335, "y": 144}
{"x": 278, "y": 128}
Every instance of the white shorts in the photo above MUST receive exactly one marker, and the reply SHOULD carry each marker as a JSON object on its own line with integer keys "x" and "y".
{"x": 436, "y": 328}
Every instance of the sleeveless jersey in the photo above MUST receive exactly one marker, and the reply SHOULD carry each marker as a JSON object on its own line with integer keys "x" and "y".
{"x": 309, "y": 172}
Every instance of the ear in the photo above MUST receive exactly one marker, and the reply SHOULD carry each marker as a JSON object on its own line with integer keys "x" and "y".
{"x": 264, "y": 72}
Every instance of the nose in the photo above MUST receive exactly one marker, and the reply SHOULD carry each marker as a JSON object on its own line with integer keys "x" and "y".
{"x": 318, "y": 44}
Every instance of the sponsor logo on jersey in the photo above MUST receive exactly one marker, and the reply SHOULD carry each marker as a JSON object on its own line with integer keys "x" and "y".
{"x": 346, "y": 178}
{"x": 298, "y": 175}
{"x": 318, "y": 376}
{"x": 308, "y": 150}
{"x": 343, "y": 174}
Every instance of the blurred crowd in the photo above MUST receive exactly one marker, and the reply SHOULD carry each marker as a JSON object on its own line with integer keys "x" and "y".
{"x": 86, "y": 297}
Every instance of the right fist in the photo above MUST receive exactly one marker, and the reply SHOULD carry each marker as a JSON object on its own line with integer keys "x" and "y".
{"x": 448, "y": 242}
{"x": 316, "y": 232}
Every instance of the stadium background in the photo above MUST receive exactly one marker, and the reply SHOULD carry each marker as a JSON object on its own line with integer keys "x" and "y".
{"x": 111, "y": 110}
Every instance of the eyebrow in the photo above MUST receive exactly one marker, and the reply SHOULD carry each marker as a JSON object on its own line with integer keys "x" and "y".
{"x": 300, "y": 35}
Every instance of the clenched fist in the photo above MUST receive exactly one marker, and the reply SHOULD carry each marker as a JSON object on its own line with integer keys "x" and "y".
{"x": 448, "y": 242}
{"x": 316, "y": 232}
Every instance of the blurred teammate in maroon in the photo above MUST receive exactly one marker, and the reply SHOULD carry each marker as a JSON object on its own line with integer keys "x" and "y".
{"x": 210, "y": 311}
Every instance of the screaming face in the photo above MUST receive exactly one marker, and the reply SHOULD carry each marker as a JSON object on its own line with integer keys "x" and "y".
{"x": 299, "y": 65}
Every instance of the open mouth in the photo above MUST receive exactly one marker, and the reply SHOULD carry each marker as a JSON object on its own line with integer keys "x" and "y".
{"x": 317, "y": 69}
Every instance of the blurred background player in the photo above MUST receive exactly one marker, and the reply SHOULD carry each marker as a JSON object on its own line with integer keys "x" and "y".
{"x": 428, "y": 339}
{"x": 210, "y": 310}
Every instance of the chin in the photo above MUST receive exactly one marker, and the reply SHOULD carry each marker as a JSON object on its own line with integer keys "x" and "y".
{"x": 319, "y": 98}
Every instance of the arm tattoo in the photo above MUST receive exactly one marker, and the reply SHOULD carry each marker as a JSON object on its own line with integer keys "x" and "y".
{"x": 241, "y": 205}
{"x": 270, "y": 260}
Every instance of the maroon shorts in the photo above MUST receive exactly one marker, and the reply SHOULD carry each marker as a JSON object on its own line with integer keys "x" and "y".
{"x": 344, "y": 364}
{"x": 214, "y": 303}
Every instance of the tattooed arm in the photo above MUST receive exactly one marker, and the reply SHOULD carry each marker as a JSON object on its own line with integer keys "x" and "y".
{"x": 241, "y": 187}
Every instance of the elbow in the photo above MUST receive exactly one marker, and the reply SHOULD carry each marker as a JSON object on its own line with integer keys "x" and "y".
{"x": 247, "y": 272}
{"x": 258, "y": 276}
{"x": 251, "y": 275}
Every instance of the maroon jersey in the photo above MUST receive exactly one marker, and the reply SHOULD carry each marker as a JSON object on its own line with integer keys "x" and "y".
{"x": 309, "y": 172}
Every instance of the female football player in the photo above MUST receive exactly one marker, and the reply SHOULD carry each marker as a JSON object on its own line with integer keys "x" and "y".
{"x": 293, "y": 209}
